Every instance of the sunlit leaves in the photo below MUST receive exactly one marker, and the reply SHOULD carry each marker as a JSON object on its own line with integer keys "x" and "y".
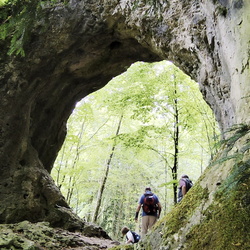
{"x": 145, "y": 95}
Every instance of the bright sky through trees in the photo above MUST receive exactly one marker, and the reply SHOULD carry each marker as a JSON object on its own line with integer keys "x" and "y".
{"x": 144, "y": 103}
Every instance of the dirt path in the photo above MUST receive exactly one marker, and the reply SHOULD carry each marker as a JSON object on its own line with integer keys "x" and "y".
{"x": 39, "y": 236}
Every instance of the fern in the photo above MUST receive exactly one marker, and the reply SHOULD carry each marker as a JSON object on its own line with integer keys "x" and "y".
{"x": 245, "y": 148}
{"x": 17, "y": 19}
{"x": 236, "y": 156}
{"x": 237, "y": 131}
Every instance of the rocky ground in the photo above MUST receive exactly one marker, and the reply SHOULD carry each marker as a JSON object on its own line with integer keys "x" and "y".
{"x": 40, "y": 236}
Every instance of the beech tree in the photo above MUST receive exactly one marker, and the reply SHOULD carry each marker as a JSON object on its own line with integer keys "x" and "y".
{"x": 158, "y": 138}
{"x": 105, "y": 177}
{"x": 161, "y": 91}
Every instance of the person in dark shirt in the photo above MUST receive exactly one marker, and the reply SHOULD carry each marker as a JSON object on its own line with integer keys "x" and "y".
{"x": 151, "y": 210}
{"x": 184, "y": 185}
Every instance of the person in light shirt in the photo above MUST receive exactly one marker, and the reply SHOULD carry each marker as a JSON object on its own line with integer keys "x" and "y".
{"x": 131, "y": 237}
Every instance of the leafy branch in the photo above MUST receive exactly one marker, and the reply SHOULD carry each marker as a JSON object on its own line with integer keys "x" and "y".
{"x": 17, "y": 18}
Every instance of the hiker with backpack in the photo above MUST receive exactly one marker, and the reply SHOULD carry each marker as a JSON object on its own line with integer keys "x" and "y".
{"x": 131, "y": 237}
{"x": 185, "y": 184}
{"x": 151, "y": 210}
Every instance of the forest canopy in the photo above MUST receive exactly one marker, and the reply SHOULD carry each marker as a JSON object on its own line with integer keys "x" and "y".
{"x": 148, "y": 126}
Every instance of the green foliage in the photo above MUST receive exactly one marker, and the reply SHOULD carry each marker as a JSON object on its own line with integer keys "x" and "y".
{"x": 143, "y": 156}
{"x": 170, "y": 183}
{"x": 179, "y": 217}
{"x": 226, "y": 220}
{"x": 231, "y": 206}
{"x": 2, "y": 2}
{"x": 17, "y": 19}
{"x": 233, "y": 134}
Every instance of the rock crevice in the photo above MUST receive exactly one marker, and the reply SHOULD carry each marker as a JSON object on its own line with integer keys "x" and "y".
{"x": 75, "y": 49}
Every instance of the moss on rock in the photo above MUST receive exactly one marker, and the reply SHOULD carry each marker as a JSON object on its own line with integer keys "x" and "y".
{"x": 124, "y": 247}
{"x": 215, "y": 212}
{"x": 227, "y": 220}
{"x": 177, "y": 218}
{"x": 36, "y": 236}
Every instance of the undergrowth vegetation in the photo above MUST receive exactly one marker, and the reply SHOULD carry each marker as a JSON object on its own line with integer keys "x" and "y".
{"x": 17, "y": 19}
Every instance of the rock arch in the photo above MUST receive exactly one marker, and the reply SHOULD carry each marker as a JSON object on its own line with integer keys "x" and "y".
{"x": 88, "y": 42}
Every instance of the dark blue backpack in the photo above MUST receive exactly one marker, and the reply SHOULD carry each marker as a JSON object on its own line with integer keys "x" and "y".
{"x": 189, "y": 183}
{"x": 136, "y": 237}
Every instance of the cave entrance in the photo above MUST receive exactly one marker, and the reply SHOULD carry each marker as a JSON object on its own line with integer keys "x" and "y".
{"x": 146, "y": 127}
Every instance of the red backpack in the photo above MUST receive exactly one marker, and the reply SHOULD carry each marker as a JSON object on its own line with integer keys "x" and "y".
{"x": 149, "y": 205}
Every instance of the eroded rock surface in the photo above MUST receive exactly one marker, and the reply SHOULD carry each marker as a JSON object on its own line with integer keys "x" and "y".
{"x": 215, "y": 212}
{"x": 75, "y": 49}
{"x": 40, "y": 236}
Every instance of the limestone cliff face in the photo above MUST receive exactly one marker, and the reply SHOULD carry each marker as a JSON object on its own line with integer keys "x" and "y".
{"x": 215, "y": 212}
{"x": 206, "y": 40}
{"x": 75, "y": 49}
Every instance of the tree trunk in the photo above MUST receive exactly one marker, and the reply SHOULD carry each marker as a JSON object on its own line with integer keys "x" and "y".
{"x": 72, "y": 50}
{"x": 101, "y": 190}
{"x": 72, "y": 179}
{"x": 176, "y": 143}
